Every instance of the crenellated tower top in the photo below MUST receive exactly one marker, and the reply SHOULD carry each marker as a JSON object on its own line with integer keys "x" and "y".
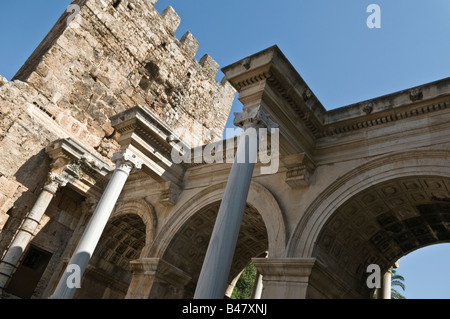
{"x": 105, "y": 56}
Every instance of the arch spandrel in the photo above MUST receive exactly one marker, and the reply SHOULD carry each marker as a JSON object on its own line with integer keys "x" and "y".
{"x": 259, "y": 198}
{"x": 376, "y": 214}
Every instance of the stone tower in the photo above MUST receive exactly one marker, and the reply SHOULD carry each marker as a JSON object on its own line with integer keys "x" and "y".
{"x": 101, "y": 58}
{"x": 111, "y": 56}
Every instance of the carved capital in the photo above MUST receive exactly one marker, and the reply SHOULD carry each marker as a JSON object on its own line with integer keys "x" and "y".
{"x": 62, "y": 175}
{"x": 126, "y": 160}
{"x": 253, "y": 118}
{"x": 53, "y": 184}
{"x": 300, "y": 170}
{"x": 73, "y": 158}
{"x": 91, "y": 161}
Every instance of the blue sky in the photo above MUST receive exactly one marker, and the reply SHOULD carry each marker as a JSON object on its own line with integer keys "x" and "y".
{"x": 327, "y": 41}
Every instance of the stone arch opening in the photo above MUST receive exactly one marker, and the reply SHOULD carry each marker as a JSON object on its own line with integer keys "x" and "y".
{"x": 379, "y": 225}
{"x": 109, "y": 274}
{"x": 188, "y": 247}
{"x": 405, "y": 164}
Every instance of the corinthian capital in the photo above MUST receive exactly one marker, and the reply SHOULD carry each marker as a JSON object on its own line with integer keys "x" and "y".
{"x": 56, "y": 180}
{"x": 126, "y": 159}
{"x": 254, "y": 118}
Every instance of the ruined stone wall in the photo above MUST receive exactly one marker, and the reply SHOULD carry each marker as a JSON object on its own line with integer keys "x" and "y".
{"x": 112, "y": 56}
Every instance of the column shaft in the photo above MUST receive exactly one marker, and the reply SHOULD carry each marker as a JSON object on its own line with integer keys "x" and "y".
{"x": 26, "y": 232}
{"x": 385, "y": 290}
{"x": 78, "y": 263}
{"x": 257, "y": 289}
{"x": 216, "y": 267}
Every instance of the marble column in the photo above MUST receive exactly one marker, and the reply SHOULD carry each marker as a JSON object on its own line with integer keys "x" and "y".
{"x": 385, "y": 291}
{"x": 125, "y": 163}
{"x": 26, "y": 232}
{"x": 216, "y": 267}
{"x": 258, "y": 287}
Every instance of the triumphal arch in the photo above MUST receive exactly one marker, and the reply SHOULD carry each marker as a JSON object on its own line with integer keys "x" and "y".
{"x": 115, "y": 169}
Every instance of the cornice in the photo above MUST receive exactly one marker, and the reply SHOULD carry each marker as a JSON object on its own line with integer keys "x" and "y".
{"x": 152, "y": 140}
{"x": 411, "y": 110}
{"x": 264, "y": 75}
{"x": 272, "y": 68}
{"x": 306, "y": 115}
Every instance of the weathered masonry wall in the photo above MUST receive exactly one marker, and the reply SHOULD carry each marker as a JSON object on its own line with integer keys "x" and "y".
{"x": 112, "y": 56}
{"x": 117, "y": 54}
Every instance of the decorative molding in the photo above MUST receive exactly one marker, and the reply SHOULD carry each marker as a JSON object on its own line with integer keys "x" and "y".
{"x": 127, "y": 158}
{"x": 300, "y": 170}
{"x": 319, "y": 130}
{"x": 367, "y": 107}
{"x": 335, "y": 129}
{"x": 304, "y": 113}
{"x": 273, "y": 68}
{"x": 416, "y": 94}
{"x": 254, "y": 118}
{"x": 253, "y": 79}
{"x": 170, "y": 194}
{"x": 73, "y": 163}
{"x": 147, "y": 136}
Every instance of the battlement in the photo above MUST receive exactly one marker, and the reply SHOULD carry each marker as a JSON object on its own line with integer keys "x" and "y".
{"x": 3, "y": 81}
{"x": 102, "y": 10}
{"x": 110, "y": 55}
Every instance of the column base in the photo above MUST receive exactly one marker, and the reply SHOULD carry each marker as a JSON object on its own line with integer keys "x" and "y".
{"x": 293, "y": 278}
{"x": 154, "y": 278}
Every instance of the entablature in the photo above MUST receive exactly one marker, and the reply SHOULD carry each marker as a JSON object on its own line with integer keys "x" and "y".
{"x": 89, "y": 173}
{"x": 152, "y": 141}
{"x": 267, "y": 80}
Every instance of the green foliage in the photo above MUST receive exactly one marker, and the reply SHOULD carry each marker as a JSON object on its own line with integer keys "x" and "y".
{"x": 244, "y": 286}
{"x": 397, "y": 280}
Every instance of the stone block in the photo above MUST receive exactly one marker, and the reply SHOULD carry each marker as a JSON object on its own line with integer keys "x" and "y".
{"x": 210, "y": 66}
{"x": 5, "y": 204}
{"x": 171, "y": 19}
{"x": 8, "y": 187}
{"x": 189, "y": 44}
{"x": 3, "y": 81}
